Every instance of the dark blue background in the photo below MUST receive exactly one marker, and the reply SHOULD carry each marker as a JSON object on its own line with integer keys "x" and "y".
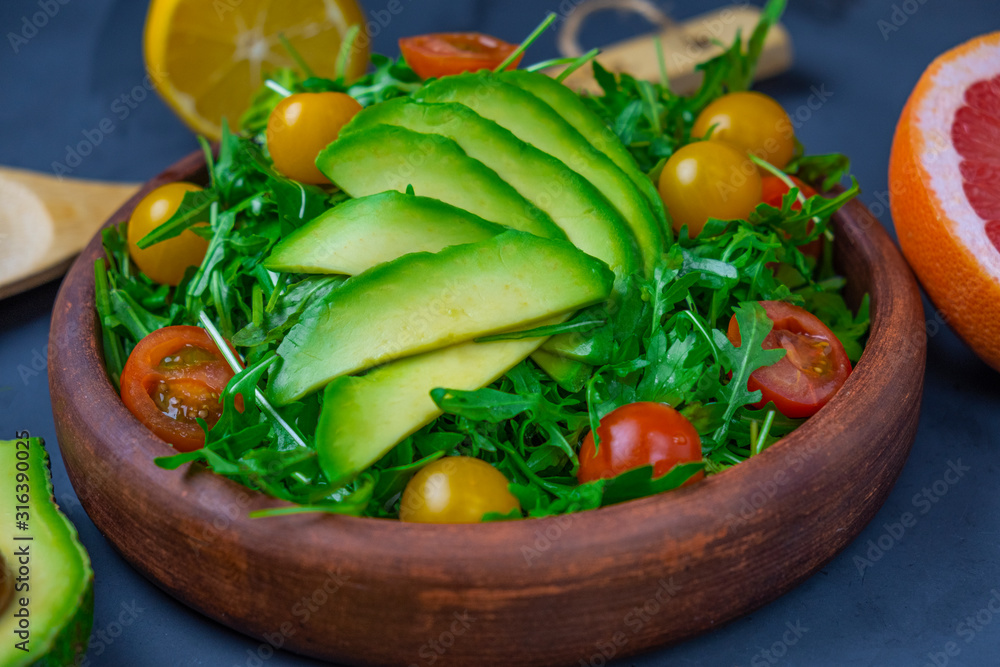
{"x": 902, "y": 610}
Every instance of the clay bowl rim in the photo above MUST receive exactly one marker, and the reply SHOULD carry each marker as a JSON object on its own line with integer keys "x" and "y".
{"x": 615, "y": 531}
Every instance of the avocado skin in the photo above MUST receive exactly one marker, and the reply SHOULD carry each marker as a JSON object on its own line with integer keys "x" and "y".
{"x": 575, "y": 111}
{"x": 386, "y": 157}
{"x": 536, "y": 123}
{"x": 360, "y": 233}
{"x": 590, "y": 222}
{"x": 59, "y": 633}
{"x": 431, "y": 301}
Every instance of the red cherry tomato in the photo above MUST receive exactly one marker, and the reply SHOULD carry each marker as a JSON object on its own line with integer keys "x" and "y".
{"x": 173, "y": 376}
{"x": 640, "y": 434}
{"x": 814, "y": 368}
{"x": 447, "y": 53}
{"x": 773, "y": 189}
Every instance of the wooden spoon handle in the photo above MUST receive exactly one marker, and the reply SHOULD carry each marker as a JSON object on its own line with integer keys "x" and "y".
{"x": 45, "y": 221}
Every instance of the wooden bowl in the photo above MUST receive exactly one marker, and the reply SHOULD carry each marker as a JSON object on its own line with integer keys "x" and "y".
{"x": 584, "y": 587}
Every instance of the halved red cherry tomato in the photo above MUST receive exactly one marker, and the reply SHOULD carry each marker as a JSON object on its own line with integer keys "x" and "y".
{"x": 773, "y": 189}
{"x": 639, "y": 434}
{"x": 813, "y": 369}
{"x": 447, "y": 53}
{"x": 173, "y": 376}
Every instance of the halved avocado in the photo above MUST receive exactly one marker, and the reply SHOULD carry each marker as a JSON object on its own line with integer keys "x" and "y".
{"x": 48, "y": 616}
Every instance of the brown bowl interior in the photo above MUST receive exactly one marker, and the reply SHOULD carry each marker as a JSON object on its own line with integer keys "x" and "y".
{"x": 364, "y": 591}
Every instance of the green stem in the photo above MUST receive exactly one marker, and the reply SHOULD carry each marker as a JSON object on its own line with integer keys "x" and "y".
{"x": 785, "y": 178}
{"x": 344, "y": 54}
{"x": 234, "y": 363}
{"x": 577, "y": 63}
{"x": 758, "y": 442}
{"x": 209, "y": 158}
{"x": 704, "y": 333}
{"x": 661, "y": 59}
{"x": 526, "y": 43}
{"x": 278, "y": 88}
{"x": 554, "y": 489}
{"x": 296, "y": 56}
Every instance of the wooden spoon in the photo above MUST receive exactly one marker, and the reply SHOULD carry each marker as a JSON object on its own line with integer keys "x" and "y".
{"x": 46, "y": 221}
{"x": 684, "y": 44}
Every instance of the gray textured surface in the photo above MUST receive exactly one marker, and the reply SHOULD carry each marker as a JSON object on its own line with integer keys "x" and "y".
{"x": 930, "y": 589}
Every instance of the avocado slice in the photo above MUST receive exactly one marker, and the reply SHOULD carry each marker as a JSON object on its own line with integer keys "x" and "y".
{"x": 569, "y": 374}
{"x": 366, "y": 416}
{"x": 422, "y": 302}
{"x": 589, "y": 221}
{"x": 392, "y": 158}
{"x": 52, "y": 580}
{"x": 536, "y": 123}
{"x": 574, "y": 111}
{"x": 360, "y": 233}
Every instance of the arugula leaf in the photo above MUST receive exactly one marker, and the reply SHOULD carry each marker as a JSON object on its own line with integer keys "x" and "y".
{"x": 193, "y": 209}
{"x": 827, "y": 170}
{"x": 639, "y": 482}
{"x": 741, "y": 361}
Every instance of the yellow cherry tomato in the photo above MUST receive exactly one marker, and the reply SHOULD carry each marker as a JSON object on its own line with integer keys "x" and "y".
{"x": 456, "y": 489}
{"x": 166, "y": 261}
{"x": 708, "y": 179}
{"x": 753, "y": 121}
{"x": 301, "y": 126}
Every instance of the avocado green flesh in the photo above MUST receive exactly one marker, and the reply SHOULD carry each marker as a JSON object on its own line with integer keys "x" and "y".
{"x": 379, "y": 229}
{"x": 393, "y": 158}
{"x": 588, "y": 220}
{"x": 569, "y": 374}
{"x": 366, "y": 416}
{"x": 361, "y": 233}
{"x": 533, "y": 121}
{"x": 589, "y": 348}
{"x": 422, "y": 302}
{"x": 59, "y": 579}
{"x": 569, "y": 105}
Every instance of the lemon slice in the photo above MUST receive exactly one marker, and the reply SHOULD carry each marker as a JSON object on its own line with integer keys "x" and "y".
{"x": 207, "y": 58}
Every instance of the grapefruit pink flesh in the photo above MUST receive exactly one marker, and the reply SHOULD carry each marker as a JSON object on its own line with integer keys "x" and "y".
{"x": 975, "y": 133}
